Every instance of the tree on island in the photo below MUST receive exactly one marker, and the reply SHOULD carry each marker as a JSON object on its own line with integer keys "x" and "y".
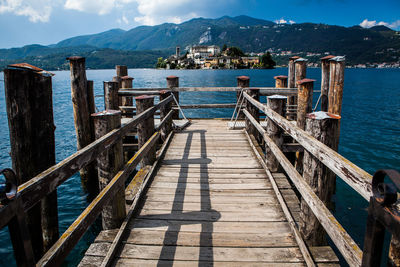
{"x": 161, "y": 63}
{"x": 267, "y": 62}
{"x": 224, "y": 47}
{"x": 234, "y": 52}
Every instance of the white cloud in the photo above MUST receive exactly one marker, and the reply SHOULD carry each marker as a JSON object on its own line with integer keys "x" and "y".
{"x": 35, "y": 10}
{"x": 283, "y": 21}
{"x": 371, "y": 23}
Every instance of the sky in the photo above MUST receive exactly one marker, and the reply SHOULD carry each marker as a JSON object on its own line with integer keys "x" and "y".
{"x": 45, "y": 22}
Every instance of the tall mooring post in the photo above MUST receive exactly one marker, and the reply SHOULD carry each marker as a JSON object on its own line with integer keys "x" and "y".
{"x": 277, "y": 103}
{"x": 121, "y": 71}
{"x": 173, "y": 83}
{"x": 167, "y": 128}
{"x": 336, "y": 83}
{"x": 291, "y": 72}
{"x": 83, "y": 105}
{"x": 145, "y": 129}
{"x": 325, "y": 73}
{"x": 29, "y": 106}
{"x": 126, "y": 82}
{"x": 323, "y": 126}
{"x": 304, "y": 106}
{"x": 254, "y": 93}
{"x": 109, "y": 163}
{"x": 111, "y": 100}
{"x": 242, "y": 82}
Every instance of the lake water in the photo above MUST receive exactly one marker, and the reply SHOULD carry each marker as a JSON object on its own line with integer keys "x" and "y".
{"x": 370, "y": 130}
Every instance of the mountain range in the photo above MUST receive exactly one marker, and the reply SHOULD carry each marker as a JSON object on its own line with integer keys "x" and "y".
{"x": 359, "y": 45}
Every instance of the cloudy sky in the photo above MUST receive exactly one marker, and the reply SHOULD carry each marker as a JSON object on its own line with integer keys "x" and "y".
{"x": 50, "y": 21}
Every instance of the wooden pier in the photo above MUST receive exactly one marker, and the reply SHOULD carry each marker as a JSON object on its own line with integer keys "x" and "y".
{"x": 250, "y": 191}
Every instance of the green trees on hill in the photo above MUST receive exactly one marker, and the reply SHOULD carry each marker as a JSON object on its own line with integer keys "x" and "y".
{"x": 267, "y": 62}
{"x": 234, "y": 52}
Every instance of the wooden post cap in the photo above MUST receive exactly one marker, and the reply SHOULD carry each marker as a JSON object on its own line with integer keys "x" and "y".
{"x": 304, "y": 81}
{"x": 281, "y": 77}
{"x": 277, "y": 97}
{"x": 294, "y": 58}
{"x": 301, "y": 60}
{"x": 322, "y": 115}
{"x": 172, "y": 77}
{"x": 76, "y": 58}
{"x": 142, "y": 97}
{"x": 108, "y": 112}
{"x": 127, "y": 78}
{"x": 243, "y": 78}
{"x": 338, "y": 58}
{"x": 327, "y": 58}
{"x": 26, "y": 66}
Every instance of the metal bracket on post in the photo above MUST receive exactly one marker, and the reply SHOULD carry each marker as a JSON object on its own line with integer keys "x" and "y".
{"x": 383, "y": 214}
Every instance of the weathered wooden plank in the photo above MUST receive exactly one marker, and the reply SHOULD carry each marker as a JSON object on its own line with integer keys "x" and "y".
{"x": 204, "y": 186}
{"x": 196, "y": 169}
{"x": 190, "y": 206}
{"x": 346, "y": 245}
{"x": 272, "y": 254}
{"x": 196, "y": 106}
{"x": 94, "y": 261}
{"x": 156, "y": 237}
{"x": 212, "y": 216}
{"x": 133, "y": 187}
{"x": 354, "y": 176}
{"x": 218, "y": 180}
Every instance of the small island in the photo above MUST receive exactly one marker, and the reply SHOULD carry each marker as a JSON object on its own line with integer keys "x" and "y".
{"x": 212, "y": 57}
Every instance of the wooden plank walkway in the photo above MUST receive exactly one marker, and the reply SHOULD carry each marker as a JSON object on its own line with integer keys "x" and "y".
{"x": 210, "y": 203}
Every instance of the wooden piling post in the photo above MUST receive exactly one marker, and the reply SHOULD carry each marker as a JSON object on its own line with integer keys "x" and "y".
{"x": 31, "y": 126}
{"x": 121, "y": 70}
{"x": 242, "y": 82}
{"x": 300, "y": 66}
{"x": 254, "y": 111}
{"x": 277, "y": 104}
{"x": 126, "y": 82}
{"x": 83, "y": 105}
{"x": 109, "y": 163}
{"x": 145, "y": 128}
{"x": 291, "y": 72}
{"x": 173, "y": 82}
{"x": 304, "y": 100}
{"x": 281, "y": 81}
{"x": 111, "y": 96}
{"x": 304, "y": 106}
{"x": 323, "y": 126}
{"x": 325, "y": 70}
{"x": 337, "y": 66}
{"x": 167, "y": 128}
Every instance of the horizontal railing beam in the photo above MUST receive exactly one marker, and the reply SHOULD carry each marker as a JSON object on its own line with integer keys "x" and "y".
{"x": 354, "y": 176}
{"x": 343, "y": 241}
{"x": 59, "y": 251}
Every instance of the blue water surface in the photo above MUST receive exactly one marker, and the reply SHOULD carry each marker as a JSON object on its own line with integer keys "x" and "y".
{"x": 370, "y": 129}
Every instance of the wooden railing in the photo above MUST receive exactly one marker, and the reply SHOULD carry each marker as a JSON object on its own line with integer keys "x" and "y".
{"x": 33, "y": 191}
{"x": 354, "y": 176}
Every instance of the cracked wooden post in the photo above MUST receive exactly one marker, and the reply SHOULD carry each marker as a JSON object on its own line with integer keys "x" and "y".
{"x": 323, "y": 126}
{"x": 337, "y": 66}
{"x": 242, "y": 82}
{"x": 276, "y": 103}
{"x": 145, "y": 128}
{"x": 254, "y": 111}
{"x": 281, "y": 81}
{"x": 304, "y": 106}
{"x": 111, "y": 100}
{"x": 173, "y": 82}
{"x": 325, "y": 70}
{"x": 83, "y": 105}
{"x": 126, "y": 82}
{"x": 109, "y": 163}
{"x": 29, "y": 107}
{"x": 167, "y": 128}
